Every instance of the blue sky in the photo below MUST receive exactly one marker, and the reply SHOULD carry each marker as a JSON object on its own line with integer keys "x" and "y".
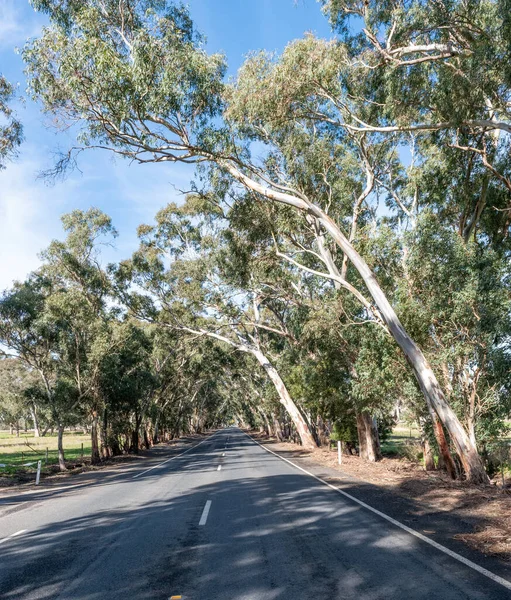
{"x": 30, "y": 210}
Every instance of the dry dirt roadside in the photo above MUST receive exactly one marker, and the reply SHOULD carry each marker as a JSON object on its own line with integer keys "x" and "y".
{"x": 480, "y": 517}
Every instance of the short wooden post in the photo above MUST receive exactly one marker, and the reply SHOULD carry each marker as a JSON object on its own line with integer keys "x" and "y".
{"x": 82, "y": 449}
{"x": 38, "y": 475}
{"x": 46, "y": 458}
{"x": 339, "y": 452}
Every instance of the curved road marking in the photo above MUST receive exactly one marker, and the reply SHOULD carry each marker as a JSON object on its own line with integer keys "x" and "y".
{"x": 451, "y": 553}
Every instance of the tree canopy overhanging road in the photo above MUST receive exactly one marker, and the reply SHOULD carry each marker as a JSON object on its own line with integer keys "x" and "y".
{"x": 341, "y": 258}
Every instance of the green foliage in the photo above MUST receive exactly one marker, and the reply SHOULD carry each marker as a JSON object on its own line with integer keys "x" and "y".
{"x": 11, "y": 131}
{"x": 341, "y": 127}
{"x": 345, "y": 430}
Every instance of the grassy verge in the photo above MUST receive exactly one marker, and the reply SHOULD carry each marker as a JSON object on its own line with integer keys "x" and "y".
{"x": 17, "y": 453}
{"x": 402, "y": 441}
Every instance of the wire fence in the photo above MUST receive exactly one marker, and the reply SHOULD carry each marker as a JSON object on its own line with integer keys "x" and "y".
{"x": 27, "y": 458}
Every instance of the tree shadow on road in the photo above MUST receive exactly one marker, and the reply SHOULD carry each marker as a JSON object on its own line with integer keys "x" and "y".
{"x": 273, "y": 535}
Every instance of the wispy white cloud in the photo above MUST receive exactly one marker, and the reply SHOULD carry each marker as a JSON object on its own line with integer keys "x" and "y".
{"x": 18, "y": 22}
{"x": 29, "y": 216}
{"x": 30, "y": 211}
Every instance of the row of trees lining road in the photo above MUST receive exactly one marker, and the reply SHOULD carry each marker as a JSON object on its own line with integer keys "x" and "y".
{"x": 77, "y": 358}
{"x": 348, "y": 228}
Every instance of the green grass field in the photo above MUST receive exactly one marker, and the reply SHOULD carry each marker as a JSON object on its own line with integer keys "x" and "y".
{"x": 401, "y": 437}
{"x": 16, "y": 452}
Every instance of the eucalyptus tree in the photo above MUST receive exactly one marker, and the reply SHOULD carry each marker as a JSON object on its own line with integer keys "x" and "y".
{"x": 21, "y": 395}
{"x": 11, "y": 130}
{"x": 186, "y": 264}
{"x": 125, "y": 384}
{"x": 78, "y": 304}
{"x": 14, "y": 380}
{"x": 460, "y": 292}
{"x": 29, "y": 334}
{"x": 135, "y": 78}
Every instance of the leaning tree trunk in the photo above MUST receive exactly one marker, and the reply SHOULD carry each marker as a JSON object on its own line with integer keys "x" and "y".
{"x": 60, "y": 447}
{"x": 443, "y": 445}
{"x": 302, "y": 427}
{"x": 428, "y": 383}
{"x": 433, "y": 394}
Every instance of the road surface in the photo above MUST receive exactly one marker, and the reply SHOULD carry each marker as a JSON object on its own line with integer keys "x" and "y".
{"x": 224, "y": 520}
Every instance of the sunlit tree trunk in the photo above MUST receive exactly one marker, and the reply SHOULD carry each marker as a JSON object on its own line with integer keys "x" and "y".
{"x": 298, "y": 419}
{"x": 33, "y": 413}
{"x": 60, "y": 447}
{"x": 278, "y": 429}
{"x": 368, "y": 438}
{"x": 426, "y": 379}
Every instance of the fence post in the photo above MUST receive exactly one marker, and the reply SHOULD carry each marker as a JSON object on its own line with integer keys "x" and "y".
{"x": 22, "y": 456}
{"x": 339, "y": 452}
{"x": 46, "y": 458}
{"x": 82, "y": 449}
{"x": 38, "y": 472}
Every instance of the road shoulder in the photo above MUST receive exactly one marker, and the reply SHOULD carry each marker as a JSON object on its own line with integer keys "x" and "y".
{"x": 449, "y": 524}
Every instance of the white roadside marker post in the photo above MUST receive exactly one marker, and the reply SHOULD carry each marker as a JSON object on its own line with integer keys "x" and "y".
{"x": 339, "y": 452}
{"x": 38, "y": 475}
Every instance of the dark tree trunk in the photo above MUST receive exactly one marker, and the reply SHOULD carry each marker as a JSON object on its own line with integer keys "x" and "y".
{"x": 147, "y": 441}
{"x": 95, "y": 455}
{"x": 443, "y": 447}
{"x": 134, "y": 440}
{"x": 105, "y": 447}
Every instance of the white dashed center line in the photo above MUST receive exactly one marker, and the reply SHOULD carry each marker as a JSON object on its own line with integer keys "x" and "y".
{"x": 205, "y": 513}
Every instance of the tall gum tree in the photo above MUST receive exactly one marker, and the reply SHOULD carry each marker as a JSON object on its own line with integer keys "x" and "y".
{"x": 143, "y": 87}
{"x": 185, "y": 264}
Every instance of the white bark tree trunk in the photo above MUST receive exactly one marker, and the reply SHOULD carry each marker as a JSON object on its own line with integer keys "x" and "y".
{"x": 426, "y": 379}
{"x": 428, "y": 383}
{"x": 33, "y": 413}
{"x": 60, "y": 446}
{"x": 299, "y": 421}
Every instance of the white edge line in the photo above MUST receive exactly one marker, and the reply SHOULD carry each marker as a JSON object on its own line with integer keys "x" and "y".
{"x": 173, "y": 457}
{"x": 13, "y": 535}
{"x": 451, "y": 553}
{"x": 205, "y": 513}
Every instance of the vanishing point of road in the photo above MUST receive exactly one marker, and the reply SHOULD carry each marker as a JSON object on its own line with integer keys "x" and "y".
{"x": 219, "y": 519}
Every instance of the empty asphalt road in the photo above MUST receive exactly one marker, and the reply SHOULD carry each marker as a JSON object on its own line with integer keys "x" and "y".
{"x": 225, "y": 520}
